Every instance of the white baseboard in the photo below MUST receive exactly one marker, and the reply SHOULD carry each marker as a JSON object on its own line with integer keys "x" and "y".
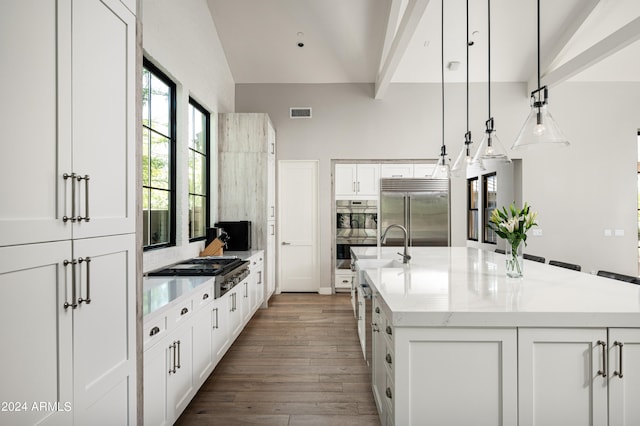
{"x": 325, "y": 290}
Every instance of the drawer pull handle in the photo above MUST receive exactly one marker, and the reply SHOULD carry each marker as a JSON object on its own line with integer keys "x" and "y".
{"x": 205, "y": 296}
{"x": 388, "y": 359}
{"x": 603, "y": 371}
{"x": 388, "y": 392}
{"x": 619, "y": 345}
{"x": 184, "y": 311}
{"x": 155, "y": 330}
{"x": 389, "y": 331}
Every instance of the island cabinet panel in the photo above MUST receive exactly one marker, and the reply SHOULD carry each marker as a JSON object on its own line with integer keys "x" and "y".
{"x": 624, "y": 376}
{"x": 446, "y": 376}
{"x": 562, "y": 377}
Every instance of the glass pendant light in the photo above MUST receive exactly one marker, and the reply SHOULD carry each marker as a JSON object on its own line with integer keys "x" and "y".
{"x": 540, "y": 127}
{"x": 442, "y": 170}
{"x": 490, "y": 149}
{"x": 464, "y": 158}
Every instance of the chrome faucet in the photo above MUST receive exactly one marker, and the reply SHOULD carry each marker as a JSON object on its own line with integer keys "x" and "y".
{"x": 405, "y": 256}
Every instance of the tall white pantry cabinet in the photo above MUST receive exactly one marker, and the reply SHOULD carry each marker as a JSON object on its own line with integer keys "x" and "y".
{"x": 68, "y": 212}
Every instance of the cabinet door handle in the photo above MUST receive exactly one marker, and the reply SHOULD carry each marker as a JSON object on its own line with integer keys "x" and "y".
{"x": 88, "y": 299}
{"x": 603, "y": 371}
{"x": 155, "y": 330}
{"x": 273, "y": 230}
{"x": 184, "y": 311}
{"x": 358, "y": 186}
{"x": 377, "y": 309}
{"x": 388, "y": 358}
{"x": 353, "y": 187}
{"x": 205, "y": 296}
{"x": 172, "y": 348}
{"x": 73, "y": 217}
{"x": 216, "y": 325}
{"x": 86, "y": 197}
{"x": 259, "y": 277}
{"x": 388, "y": 392}
{"x": 374, "y": 327}
{"x": 389, "y": 330}
{"x": 619, "y": 345}
{"x": 73, "y": 303}
{"x": 273, "y": 148}
{"x": 273, "y": 211}
{"x": 178, "y": 353}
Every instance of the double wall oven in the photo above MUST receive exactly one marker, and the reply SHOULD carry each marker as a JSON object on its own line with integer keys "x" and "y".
{"x": 356, "y": 225}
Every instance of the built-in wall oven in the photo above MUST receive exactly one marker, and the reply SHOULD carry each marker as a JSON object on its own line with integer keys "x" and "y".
{"x": 356, "y": 225}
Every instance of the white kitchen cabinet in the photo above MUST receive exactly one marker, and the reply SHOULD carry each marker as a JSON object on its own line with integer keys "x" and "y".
{"x": 438, "y": 370}
{"x": 247, "y": 146}
{"x": 624, "y": 376}
{"x": 400, "y": 170}
{"x": 85, "y": 351}
{"x": 38, "y": 330}
{"x": 156, "y": 366}
{"x": 234, "y": 312}
{"x": 69, "y": 240}
{"x": 423, "y": 170}
{"x": 219, "y": 328}
{"x": 562, "y": 365}
{"x": 86, "y": 124}
{"x": 203, "y": 356}
{"x": 257, "y": 280}
{"x": 344, "y": 279}
{"x": 180, "y": 383}
{"x": 356, "y": 181}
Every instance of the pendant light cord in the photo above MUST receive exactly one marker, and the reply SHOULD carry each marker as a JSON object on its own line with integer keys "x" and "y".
{"x": 442, "y": 71}
{"x": 489, "y": 53}
{"x": 467, "y": 66}
{"x": 539, "y": 80}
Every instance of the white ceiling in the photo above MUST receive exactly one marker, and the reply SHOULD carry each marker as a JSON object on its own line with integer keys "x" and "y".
{"x": 344, "y": 39}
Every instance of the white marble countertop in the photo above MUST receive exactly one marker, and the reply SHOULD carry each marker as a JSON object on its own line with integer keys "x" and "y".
{"x": 158, "y": 292}
{"x": 467, "y": 287}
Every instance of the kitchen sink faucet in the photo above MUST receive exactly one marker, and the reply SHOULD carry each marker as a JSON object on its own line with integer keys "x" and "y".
{"x": 405, "y": 256}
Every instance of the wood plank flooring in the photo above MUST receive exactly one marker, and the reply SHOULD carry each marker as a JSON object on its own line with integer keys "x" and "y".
{"x": 297, "y": 363}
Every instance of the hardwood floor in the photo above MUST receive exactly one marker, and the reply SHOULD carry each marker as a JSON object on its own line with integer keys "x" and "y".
{"x": 297, "y": 363}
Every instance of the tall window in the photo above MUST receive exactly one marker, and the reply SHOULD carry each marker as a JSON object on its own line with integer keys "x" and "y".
{"x": 198, "y": 171}
{"x": 158, "y": 157}
{"x": 472, "y": 209}
{"x": 490, "y": 203}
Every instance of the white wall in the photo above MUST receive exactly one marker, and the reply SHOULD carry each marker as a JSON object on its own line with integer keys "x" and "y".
{"x": 181, "y": 39}
{"x": 348, "y": 123}
{"x": 592, "y": 185}
{"x": 578, "y": 191}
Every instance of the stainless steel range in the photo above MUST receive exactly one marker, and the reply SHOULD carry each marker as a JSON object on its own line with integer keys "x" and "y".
{"x": 228, "y": 271}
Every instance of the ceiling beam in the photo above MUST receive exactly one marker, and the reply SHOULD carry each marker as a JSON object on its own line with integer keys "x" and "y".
{"x": 582, "y": 12}
{"x": 395, "y": 7}
{"x": 606, "y": 47}
{"x": 410, "y": 20}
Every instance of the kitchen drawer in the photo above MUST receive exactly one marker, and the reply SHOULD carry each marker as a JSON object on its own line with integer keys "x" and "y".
{"x": 389, "y": 395}
{"x": 389, "y": 360}
{"x": 179, "y": 313}
{"x": 203, "y": 296}
{"x": 153, "y": 331}
{"x": 344, "y": 280}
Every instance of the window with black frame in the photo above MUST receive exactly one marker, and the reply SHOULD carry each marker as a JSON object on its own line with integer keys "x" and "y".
{"x": 490, "y": 203}
{"x": 472, "y": 209}
{"x": 198, "y": 171}
{"x": 158, "y": 157}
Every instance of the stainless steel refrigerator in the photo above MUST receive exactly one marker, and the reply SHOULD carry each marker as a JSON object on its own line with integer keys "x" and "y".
{"x": 421, "y": 206}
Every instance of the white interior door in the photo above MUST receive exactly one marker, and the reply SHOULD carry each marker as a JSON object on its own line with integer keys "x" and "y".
{"x": 298, "y": 231}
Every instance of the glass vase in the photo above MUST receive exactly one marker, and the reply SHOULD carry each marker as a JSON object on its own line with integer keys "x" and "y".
{"x": 515, "y": 261}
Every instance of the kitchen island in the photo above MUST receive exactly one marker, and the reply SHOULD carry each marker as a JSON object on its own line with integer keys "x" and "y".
{"x": 455, "y": 342}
